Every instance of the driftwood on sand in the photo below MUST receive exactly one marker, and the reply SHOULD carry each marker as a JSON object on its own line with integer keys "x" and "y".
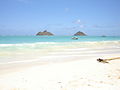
{"x": 106, "y": 60}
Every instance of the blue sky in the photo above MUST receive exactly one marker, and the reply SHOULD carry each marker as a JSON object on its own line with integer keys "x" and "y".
{"x": 61, "y": 17}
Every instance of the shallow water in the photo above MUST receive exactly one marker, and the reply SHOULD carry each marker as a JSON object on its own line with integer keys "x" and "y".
{"x": 32, "y": 48}
{"x": 35, "y": 39}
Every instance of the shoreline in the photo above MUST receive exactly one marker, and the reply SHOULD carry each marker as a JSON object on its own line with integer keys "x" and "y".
{"x": 61, "y": 56}
{"x": 62, "y": 68}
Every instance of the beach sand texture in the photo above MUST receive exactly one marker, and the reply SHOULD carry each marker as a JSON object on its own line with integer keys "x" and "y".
{"x": 75, "y": 74}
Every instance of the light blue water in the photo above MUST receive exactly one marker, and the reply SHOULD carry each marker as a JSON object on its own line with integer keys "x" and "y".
{"x": 35, "y": 39}
{"x": 21, "y": 48}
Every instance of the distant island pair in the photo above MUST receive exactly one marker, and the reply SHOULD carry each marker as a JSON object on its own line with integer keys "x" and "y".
{"x": 45, "y": 32}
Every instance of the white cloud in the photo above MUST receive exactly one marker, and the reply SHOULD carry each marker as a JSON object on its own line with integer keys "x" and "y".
{"x": 82, "y": 26}
{"x": 97, "y": 26}
{"x": 103, "y": 26}
{"x": 67, "y": 9}
{"x": 78, "y": 21}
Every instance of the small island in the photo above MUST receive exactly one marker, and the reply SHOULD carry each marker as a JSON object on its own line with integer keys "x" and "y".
{"x": 80, "y": 34}
{"x": 45, "y": 32}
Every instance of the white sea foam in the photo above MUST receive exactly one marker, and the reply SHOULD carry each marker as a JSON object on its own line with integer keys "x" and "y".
{"x": 26, "y": 44}
{"x": 28, "y": 52}
{"x": 64, "y": 43}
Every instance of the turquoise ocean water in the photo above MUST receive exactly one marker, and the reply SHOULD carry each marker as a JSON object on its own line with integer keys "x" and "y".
{"x": 18, "y": 48}
{"x": 36, "y": 39}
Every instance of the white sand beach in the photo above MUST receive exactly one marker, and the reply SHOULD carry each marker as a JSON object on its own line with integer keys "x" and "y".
{"x": 59, "y": 44}
{"x": 77, "y": 73}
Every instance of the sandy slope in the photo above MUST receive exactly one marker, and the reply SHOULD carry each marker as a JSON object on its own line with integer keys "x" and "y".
{"x": 74, "y": 75}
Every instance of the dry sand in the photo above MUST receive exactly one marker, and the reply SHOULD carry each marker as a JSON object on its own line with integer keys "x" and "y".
{"x": 73, "y": 75}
